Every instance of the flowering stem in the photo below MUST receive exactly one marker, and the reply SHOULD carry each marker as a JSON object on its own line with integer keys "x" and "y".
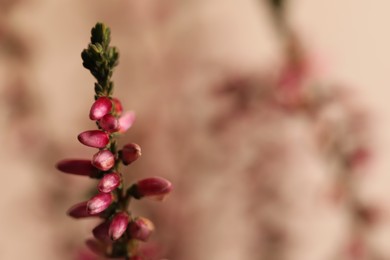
{"x": 119, "y": 233}
{"x": 100, "y": 59}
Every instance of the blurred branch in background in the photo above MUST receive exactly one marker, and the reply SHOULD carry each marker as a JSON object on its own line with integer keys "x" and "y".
{"x": 271, "y": 159}
{"x": 338, "y": 126}
{"x": 342, "y": 140}
{"x": 278, "y": 8}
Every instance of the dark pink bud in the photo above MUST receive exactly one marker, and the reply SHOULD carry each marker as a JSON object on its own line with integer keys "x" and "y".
{"x": 109, "y": 182}
{"x": 96, "y": 246}
{"x": 78, "y": 167}
{"x": 79, "y": 211}
{"x": 100, "y": 108}
{"x": 136, "y": 257}
{"x": 103, "y": 160}
{"x": 100, "y": 232}
{"x": 99, "y": 203}
{"x": 130, "y": 153}
{"x": 94, "y": 138}
{"x": 109, "y": 123}
{"x": 141, "y": 229}
{"x": 126, "y": 121}
{"x": 155, "y": 188}
{"x": 118, "y": 106}
{"x": 118, "y": 225}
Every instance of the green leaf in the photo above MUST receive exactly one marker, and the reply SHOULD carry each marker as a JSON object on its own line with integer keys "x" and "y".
{"x": 100, "y": 59}
{"x": 97, "y": 33}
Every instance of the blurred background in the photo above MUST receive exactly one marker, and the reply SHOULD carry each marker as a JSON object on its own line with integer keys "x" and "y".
{"x": 271, "y": 119}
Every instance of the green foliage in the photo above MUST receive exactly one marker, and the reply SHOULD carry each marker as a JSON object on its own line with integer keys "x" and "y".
{"x": 100, "y": 59}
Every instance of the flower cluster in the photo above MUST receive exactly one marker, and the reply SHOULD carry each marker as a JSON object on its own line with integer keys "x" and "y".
{"x": 117, "y": 236}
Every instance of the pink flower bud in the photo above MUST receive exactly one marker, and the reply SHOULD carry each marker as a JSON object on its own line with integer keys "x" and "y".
{"x": 141, "y": 229}
{"x": 103, "y": 160}
{"x": 94, "y": 138}
{"x": 136, "y": 257}
{"x": 109, "y": 123}
{"x": 99, "y": 203}
{"x": 78, "y": 167}
{"x": 118, "y": 106}
{"x": 126, "y": 121}
{"x": 100, "y": 232}
{"x": 155, "y": 188}
{"x": 79, "y": 211}
{"x": 130, "y": 153}
{"x": 118, "y": 225}
{"x": 109, "y": 182}
{"x": 100, "y": 108}
{"x": 96, "y": 247}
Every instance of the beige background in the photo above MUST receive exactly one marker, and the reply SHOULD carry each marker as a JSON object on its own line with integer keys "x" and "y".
{"x": 173, "y": 53}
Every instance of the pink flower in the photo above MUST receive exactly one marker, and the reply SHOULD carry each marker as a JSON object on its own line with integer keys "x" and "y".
{"x": 118, "y": 106}
{"x": 155, "y": 188}
{"x": 100, "y": 232}
{"x": 136, "y": 257}
{"x": 100, "y": 108}
{"x": 94, "y": 138}
{"x": 141, "y": 228}
{"x": 130, "y": 153}
{"x": 79, "y": 211}
{"x": 118, "y": 225}
{"x": 99, "y": 203}
{"x": 126, "y": 121}
{"x": 78, "y": 167}
{"x": 109, "y": 123}
{"x": 103, "y": 160}
{"x": 109, "y": 182}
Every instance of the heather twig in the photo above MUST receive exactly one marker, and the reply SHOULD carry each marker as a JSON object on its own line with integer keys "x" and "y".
{"x": 120, "y": 232}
